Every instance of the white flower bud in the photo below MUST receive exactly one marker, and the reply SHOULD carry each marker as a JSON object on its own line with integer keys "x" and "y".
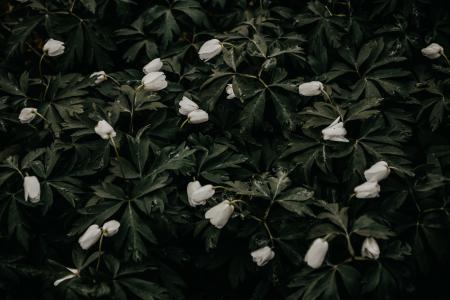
{"x": 90, "y": 237}
{"x": 53, "y": 47}
{"x": 210, "y": 49}
{"x": 99, "y": 77}
{"x": 230, "y": 91}
{"x": 187, "y": 106}
{"x": 154, "y": 81}
{"x": 377, "y": 172}
{"x": 32, "y": 189}
{"x": 110, "y": 228}
{"x": 316, "y": 253}
{"x": 262, "y": 256}
{"x": 104, "y": 130}
{"x": 368, "y": 189}
{"x": 219, "y": 214}
{"x": 198, "y": 116}
{"x": 335, "y": 132}
{"x": 370, "y": 248}
{"x": 197, "y": 194}
{"x": 433, "y": 51}
{"x": 312, "y": 88}
{"x": 153, "y": 66}
{"x": 27, "y": 115}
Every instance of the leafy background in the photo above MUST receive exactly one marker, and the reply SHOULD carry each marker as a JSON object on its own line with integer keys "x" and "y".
{"x": 264, "y": 147}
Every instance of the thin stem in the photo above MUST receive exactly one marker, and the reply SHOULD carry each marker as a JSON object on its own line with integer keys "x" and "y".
{"x": 113, "y": 80}
{"x": 226, "y": 43}
{"x": 269, "y": 233}
{"x": 72, "y": 6}
{"x": 184, "y": 123}
{"x": 100, "y": 244}
{"x": 20, "y": 172}
{"x": 349, "y": 245}
{"x": 42, "y": 117}
{"x": 220, "y": 187}
{"x": 332, "y": 103}
{"x": 117, "y": 156}
{"x": 445, "y": 58}
{"x": 237, "y": 201}
{"x": 133, "y": 104}
{"x": 254, "y": 77}
{"x": 40, "y": 65}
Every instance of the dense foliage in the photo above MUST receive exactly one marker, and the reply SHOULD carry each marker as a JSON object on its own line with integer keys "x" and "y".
{"x": 262, "y": 150}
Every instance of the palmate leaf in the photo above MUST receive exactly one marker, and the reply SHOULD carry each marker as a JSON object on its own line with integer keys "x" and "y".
{"x": 141, "y": 42}
{"x": 168, "y": 18}
{"x": 371, "y": 70}
{"x": 215, "y": 159}
{"x": 86, "y": 42}
{"x": 328, "y": 29}
{"x": 21, "y": 32}
{"x": 325, "y": 284}
{"x": 64, "y": 99}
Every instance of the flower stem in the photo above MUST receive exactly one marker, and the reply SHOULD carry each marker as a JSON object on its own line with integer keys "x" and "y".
{"x": 100, "y": 244}
{"x": 113, "y": 80}
{"x": 184, "y": 123}
{"x": 117, "y": 156}
{"x": 445, "y": 58}
{"x": 40, "y": 65}
{"x": 327, "y": 96}
{"x": 42, "y": 117}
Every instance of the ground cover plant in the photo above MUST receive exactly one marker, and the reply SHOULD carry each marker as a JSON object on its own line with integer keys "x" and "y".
{"x": 224, "y": 149}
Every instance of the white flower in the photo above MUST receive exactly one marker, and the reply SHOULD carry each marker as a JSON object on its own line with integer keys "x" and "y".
{"x": 110, "y": 228}
{"x": 153, "y": 66}
{"x": 370, "y": 248}
{"x": 154, "y": 81}
{"x": 100, "y": 76}
{"x": 219, "y": 214}
{"x": 198, "y": 194}
{"x": 262, "y": 256}
{"x": 27, "y": 115}
{"x": 316, "y": 253}
{"x": 104, "y": 130}
{"x": 369, "y": 189}
{"x": 187, "y": 106}
{"x": 53, "y": 47}
{"x": 32, "y": 189}
{"x": 73, "y": 273}
{"x": 230, "y": 91}
{"x": 335, "y": 132}
{"x": 433, "y": 51}
{"x": 198, "y": 116}
{"x": 377, "y": 172}
{"x": 312, "y": 88}
{"x": 210, "y": 49}
{"x": 90, "y": 237}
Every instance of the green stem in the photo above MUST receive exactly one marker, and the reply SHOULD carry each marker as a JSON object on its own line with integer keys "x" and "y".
{"x": 445, "y": 58}
{"x": 349, "y": 245}
{"x": 100, "y": 244}
{"x": 133, "y": 104}
{"x": 254, "y": 77}
{"x": 220, "y": 187}
{"x": 184, "y": 123}
{"x": 114, "y": 80}
{"x": 226, "y": 43}
{"x": 270, "y": 234}
{"x": 72, "y": 6}
{"x": 117, "y": 156}
{"x": 42, "y": 117}
{"x": 327, "y": 96}
{"x": 40, "y": 65}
